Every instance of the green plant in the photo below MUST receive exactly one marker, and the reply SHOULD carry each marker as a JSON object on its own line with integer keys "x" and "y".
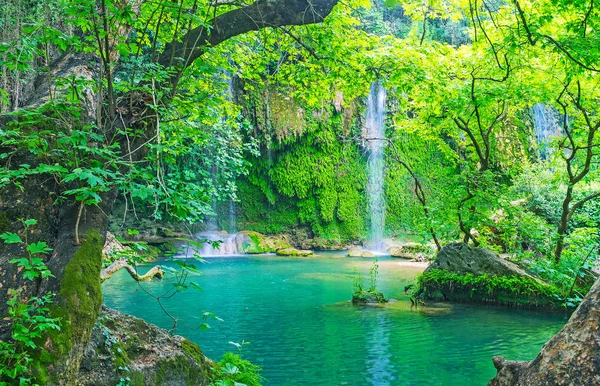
{"x": 516, "y": 290}
{"x": 232, "y": 370}
{"x": 373, "y": 273}
{"x": 30, "y": 317}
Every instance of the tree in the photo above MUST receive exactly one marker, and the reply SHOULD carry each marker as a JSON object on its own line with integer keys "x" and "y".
{"x": 106, "y": 127}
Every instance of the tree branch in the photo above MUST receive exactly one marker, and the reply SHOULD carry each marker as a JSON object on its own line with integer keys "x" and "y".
{"x": 261, "y": 14}
{"x": 109, "y": 271}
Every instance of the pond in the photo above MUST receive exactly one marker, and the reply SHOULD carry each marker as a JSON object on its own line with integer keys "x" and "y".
{"x": 301, "y": 329}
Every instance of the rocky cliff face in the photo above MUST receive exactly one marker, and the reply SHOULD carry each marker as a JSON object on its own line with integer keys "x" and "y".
{"x": 571, "y": 357}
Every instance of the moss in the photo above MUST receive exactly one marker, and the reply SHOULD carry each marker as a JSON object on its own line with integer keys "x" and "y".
{"x": 439, "y": 285}
{"x": 368, "y": 297}
{"x": 119, "y": 355}
{"x": 78, "y": 309}
{"x": 193, "y": 350}
{"x": 178, "y": 368}
{"x": 5, "y": 223}
{"x": 136, "y": 379}
{"x": 259, "y": 243}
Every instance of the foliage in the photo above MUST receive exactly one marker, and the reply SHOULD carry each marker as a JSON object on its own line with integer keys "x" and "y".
{"x": 30, "y": 318}
{"x": 232, "y": 370}
{"x": 360, "y": 295}
{"x": 518, "y": 290}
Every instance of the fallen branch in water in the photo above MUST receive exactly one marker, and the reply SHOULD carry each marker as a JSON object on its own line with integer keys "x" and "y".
{"x": 107, "y": 272}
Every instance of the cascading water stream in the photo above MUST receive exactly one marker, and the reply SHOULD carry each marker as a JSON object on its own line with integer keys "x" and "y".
{"x": 375, "y": 137}
{"x": 547, "y": 126}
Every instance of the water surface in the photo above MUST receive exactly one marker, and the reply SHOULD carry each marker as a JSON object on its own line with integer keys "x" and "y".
{"x": 302, "y": 331}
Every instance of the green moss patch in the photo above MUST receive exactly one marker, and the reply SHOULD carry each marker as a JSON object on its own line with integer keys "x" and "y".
{"x": 81, "y": 299}
{"x": 368, "y": 297}
{"x": 440, "y": 285}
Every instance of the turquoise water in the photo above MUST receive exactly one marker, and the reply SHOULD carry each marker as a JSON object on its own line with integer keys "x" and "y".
{"x": 302, "y": 331}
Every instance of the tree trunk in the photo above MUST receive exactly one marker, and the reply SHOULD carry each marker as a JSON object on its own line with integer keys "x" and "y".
{"x": 571, "y": 357}
{"x": 563, "y": 224}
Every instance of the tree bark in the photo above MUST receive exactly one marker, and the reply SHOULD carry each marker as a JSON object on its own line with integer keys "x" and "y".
{"x": 571, "y": 357}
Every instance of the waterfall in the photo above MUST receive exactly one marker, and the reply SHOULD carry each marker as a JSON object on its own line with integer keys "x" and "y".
{"x": 375, "y": 137}
{"x": 231, "y": 244}
{"x": 547, "y": 125}
{"x": 232, "y": 216}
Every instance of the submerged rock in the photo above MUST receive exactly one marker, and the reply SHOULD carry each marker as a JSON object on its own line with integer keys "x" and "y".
{"x": 294, "y": 252}
{"x": 359, "y": 252}
{"x": 468, "y": 274}
{"x": 123, "y": 346}
{"x": 571, "y": 357}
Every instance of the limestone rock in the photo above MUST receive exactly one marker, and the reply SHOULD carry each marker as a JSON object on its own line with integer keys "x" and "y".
{"x": 467, "y": 274}
{"x": 294, "y": 252}
{"x": 322, "y": 244}
{"x": 571, "y": 357}
{"x": 411, "y": 251}
{"x": 254, "y": 242}
{"x": 461, "y": 258}
{"x": 112, "y": 246}
{"x": 125, "y": 346}
{"x": 359, "y": 252}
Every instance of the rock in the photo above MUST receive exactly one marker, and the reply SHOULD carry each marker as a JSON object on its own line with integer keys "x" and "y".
{"x": 112, "y": 246}
{"x": 466, "y": 274}
{"x": 411, "y": 250}
{"x": 359, "y": 252}
{"x": 254, "y": 242}
{"x": 321, "y": 244}
{"x": 124, "y": 346}
{"x": 294, "y": 252}
{"x": 370, "y": 297}
{"x": 420, "y": 258}
{"x": 571, "y": 357}
{"x": 461, "y": 258}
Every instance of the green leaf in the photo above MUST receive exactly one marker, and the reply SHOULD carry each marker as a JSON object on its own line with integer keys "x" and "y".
{"x": 10, "y": 238}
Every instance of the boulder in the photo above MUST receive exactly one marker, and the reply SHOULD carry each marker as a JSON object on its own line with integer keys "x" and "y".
{"x": 123, "y": 346}
{"x": 112, "y": 247}
{"x": 411, "y": 251}
{"x": 571, "y": 357}
{"x": 254, "y": 242}
{"x": 461, "y": 258}
{"x": 294, "y": 252}
{"x": 359, "y": 252}
{"x": 467, "y": 274}
{"x": 371, "y": 297}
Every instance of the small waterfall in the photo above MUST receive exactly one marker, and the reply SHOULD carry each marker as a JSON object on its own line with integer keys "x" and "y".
{"x": 547, "y": 124}
{"x": 231, "y": 244}
{"x": 232, "y": 216}
{"x": 375, "y": 137}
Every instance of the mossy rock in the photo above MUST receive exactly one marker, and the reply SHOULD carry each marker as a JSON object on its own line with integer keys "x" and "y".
{"x": 359, "y": 252}
{"x": 364, "y": 297}
{"x": 411, "y": 251}
{"x": 254, "y": 242}
{"x": 124, "y": 346}
{"x": 294, "y": 252}
{"x": 463, "y": 273}
{"x": 517, "y": 291}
